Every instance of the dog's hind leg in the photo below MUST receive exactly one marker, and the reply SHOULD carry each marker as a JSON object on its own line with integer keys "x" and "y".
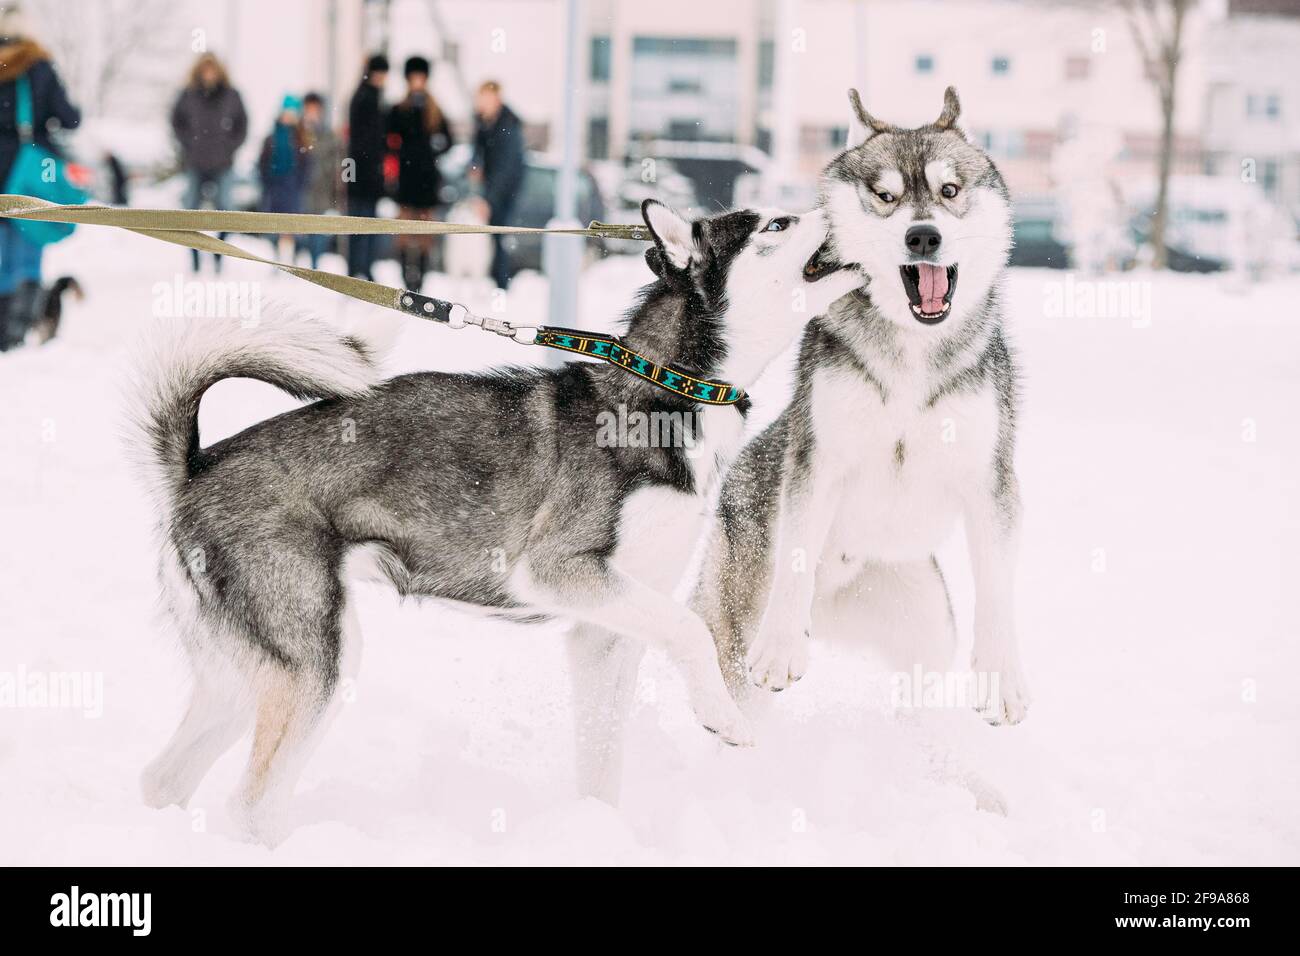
{"x": 291, "y": 702}
{"x": 604, "y": 668}
{"x": 903, "y": 613}
{"x": 303, "y": 626}
{"x": 217, "y": 716}
{"x": 220, "y": 708}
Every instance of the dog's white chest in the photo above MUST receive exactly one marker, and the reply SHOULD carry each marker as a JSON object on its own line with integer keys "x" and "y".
{"x": 908, "y": 464}
{"x": 659, "y": 528}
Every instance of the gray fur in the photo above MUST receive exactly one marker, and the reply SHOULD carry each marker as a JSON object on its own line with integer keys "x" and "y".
{"x": 489, "y": 490}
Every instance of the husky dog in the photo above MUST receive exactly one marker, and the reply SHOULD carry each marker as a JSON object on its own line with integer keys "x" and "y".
{"x": 489, "y": 490}
{"x": 902, "y": 425}
{"x": 50, "y": 314}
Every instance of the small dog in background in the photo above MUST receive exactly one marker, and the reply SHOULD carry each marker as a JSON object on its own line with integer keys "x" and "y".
{"x": 49, "y": 312}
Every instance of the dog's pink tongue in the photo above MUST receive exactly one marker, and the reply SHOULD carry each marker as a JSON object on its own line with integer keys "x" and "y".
{"x": 933, "y": 283}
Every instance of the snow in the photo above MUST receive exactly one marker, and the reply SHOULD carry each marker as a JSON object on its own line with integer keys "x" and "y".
{"x": 1157, "y": 608}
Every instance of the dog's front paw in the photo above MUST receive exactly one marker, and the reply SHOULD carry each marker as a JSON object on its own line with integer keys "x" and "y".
{"x": 778, "y": 658}
{"x": 1002, "y": 696}
{"x": 721, "y": 716}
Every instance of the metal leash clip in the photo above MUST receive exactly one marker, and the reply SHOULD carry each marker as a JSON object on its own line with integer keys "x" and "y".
{"x": 617, "y": 230}
{"x": 460, "y": 317}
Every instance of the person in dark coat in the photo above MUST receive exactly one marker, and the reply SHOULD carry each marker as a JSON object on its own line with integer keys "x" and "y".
{"x": 367, "y": 147}
{"x": 20, "y": 260}
{"x": 284, "y": 168}
{"x": 498, "y": 166}
{"x": 210, "y": 125}
{"x": 421, "y": 128}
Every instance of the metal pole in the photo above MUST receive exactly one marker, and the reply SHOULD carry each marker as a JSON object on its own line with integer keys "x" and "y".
{"x": 332, "y": 62}
{"x": 563, "y": 254}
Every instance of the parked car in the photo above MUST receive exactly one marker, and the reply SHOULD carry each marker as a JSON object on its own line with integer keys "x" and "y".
{"x": 1036, "y": 228}
{"x": 712, "y": 168}
{"x": 534, "y": 207}
{"x": 1219, "y": 222}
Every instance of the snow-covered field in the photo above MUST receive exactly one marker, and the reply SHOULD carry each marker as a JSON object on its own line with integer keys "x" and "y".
{"x": 1157, "y": 603}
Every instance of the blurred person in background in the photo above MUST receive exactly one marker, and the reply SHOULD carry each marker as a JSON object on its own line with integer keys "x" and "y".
{"x": 20, "y": 260}
{"x": 367, "y": 146}
{"x": 498, "y": 166}
{"x": 324, "y": 193}
{"x": 283, "y": 167}
{"x": 210, "y": 125}
{"x": 421, "y": 127}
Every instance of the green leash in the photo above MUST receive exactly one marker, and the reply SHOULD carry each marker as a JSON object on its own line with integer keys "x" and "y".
{"x": 612, "y": 350}
{"x": 180, "y": 227}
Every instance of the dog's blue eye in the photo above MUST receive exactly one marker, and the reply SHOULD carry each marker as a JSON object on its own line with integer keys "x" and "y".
{"x": 949, "y": 191}
{"x": 885, "y": 196}
{"x": 778, "y": 225}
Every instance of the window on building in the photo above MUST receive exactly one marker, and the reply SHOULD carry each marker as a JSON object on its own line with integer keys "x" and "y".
{"x": 684, "y": 46}
{"x": 1252, "y": 104}
{"x": 1078, "y": 67}
{"x": 600, "y": 57}
{"x": 1272, "y": 106}
{"x": 598, "y": 137}
{"x": 924, "y": 63}
{"x": 766, "y": 63}
{"x": 686, "y": 130}
{"x": 1268, "y": 176}
{"x": 1003, "y": 144}
{"x": 1001, "y": 65}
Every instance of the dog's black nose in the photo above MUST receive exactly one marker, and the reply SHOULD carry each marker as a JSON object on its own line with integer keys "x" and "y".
{"x": 923, "y": 240}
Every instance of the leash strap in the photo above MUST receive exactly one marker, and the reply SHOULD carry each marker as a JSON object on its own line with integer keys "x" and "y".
{"x": 187, "y": 220}
{"x": 167, "y": 226}
{"x": 611, "y": 349}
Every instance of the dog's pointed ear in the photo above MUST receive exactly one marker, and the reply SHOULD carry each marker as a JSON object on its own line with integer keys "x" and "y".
{"x": 951, "y": 110}
{"x": 862, "y": 125}
{"x": 672, "y": 234}
{"x": 655, "y": 260}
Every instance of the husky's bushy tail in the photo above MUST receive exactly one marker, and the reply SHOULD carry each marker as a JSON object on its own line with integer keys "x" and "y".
{"x": 181, "y": 359}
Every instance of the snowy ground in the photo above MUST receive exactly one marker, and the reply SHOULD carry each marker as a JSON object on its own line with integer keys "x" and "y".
{"x": 1157, "y": 604}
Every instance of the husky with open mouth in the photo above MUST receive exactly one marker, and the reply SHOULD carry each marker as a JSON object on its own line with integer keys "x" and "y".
{"x": 490, "y": 490}
{"x": 902, "y": 427}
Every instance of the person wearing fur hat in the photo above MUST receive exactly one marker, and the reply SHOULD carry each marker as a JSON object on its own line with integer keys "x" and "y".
{"x": 20, "y": 260}
{"x": 421, "y": 127}
{"x": 367, "y": 148}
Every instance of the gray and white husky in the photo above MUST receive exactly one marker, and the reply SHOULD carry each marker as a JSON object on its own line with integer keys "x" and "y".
{"x": 489, "y": 490}
{"x": 902, "y": 426}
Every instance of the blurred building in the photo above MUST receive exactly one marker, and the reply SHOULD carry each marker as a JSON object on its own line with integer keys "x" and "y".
{"x": 1049, "y": 88}
{"x": 763, "y": 73}
{"x": 1253, "y": 98}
